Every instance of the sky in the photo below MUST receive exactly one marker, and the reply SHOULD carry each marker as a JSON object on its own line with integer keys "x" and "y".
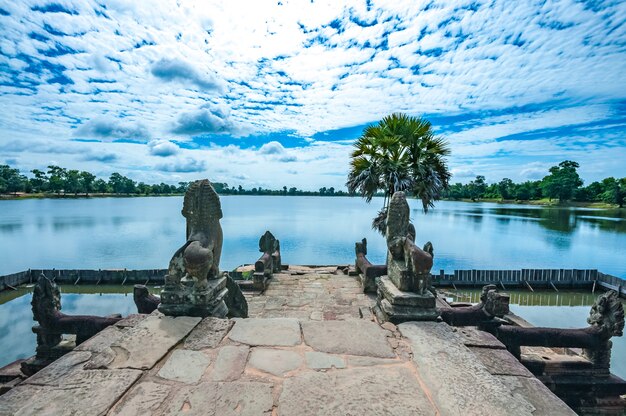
{"x": 274, "y": 93}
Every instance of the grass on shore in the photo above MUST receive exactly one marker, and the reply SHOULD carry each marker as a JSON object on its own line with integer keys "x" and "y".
{"x": 538, "y": 202}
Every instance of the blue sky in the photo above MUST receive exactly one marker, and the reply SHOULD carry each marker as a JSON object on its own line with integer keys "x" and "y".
{"x": 263, "y": 93}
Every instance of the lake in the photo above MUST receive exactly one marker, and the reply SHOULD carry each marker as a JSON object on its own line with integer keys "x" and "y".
{"x": 143, "y": 233}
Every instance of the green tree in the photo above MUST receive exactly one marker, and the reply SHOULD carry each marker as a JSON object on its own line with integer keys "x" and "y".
{"x": 11, "y": 180}
{"x": 72, "y": 182}
{"x": 614, "y": 191}
{"x": 505, "y": 188}
{"x": 400, "y": 153}
{"x": 477, "y": 188}
{"x": 562, "y": 181}
{"x": 56, "y": 178}
{"x": 40, "y": 181}
{"x": 87, "y": 180}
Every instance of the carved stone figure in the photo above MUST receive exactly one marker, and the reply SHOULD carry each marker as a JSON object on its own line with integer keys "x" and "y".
{"x": 269, "y": 262}
{"x": 144, "y": 300}
{"x": 46, "y": 306}
{"x": 406, "y": 293}
{"x": 408, "y": 265}
{"x": 193, "y": 284}
{"x": 606, "y": 320}
{"x": 368, "y": 272}
{"x": 199, "y": 258}
{"x": 493, "y": 304}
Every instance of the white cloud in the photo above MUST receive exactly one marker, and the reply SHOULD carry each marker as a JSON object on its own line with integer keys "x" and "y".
{"x": 206, "y": 67}
{"x": 162, "y": 148}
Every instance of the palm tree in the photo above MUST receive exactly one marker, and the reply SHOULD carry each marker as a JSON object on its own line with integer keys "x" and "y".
{"x": 400, "y": 153}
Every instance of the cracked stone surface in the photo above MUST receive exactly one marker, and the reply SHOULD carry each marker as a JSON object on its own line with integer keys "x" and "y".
{"x": 311, "y": 293}
{"x": 359, "y": 391}
{"x": 266, "y": 332}
{"x": 345, "y": 364}
{"x": 277, "y": 362}
{"x": 142, "y": 346}
{"x": 208, "y": 333}
{"x": 90, "y": 391}
{"x": 319, "y": 360}
{"x": 455, "y": 377}
{"x": 533, "y": 390}
{"x": 348, "y": 337}
{"x": 230, "y": 362}
{"x": 222, "y": 399}
{"x": 185, "y": 366}
{"x": 142, "y": 399}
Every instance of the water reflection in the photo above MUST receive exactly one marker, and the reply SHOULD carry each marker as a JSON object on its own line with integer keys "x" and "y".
{"x": 144, "y": 232}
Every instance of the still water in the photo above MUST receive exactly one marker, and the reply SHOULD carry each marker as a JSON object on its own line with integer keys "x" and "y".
{"x": 143, "y": 233}
{"x": 138, "y": 233}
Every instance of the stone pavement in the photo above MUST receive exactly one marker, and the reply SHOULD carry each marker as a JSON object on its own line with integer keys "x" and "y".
{"x": 316, "y": 293}
{"x": 347, "y": 365}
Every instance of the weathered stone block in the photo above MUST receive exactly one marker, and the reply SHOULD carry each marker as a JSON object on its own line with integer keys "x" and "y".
{"x": 266, "y": 332}
{"x": 357, "y": 337}
{"x": 398, "y": 297}
{"x": 277, "y": 362}
{"x": 459, "y": 383}
{"x": 208, "y": 334}
{"x": 185, "y": 366}
{"x": 358, "y": 391}
{"x": 230, "y": 362}
{"x": 222, "y": 399}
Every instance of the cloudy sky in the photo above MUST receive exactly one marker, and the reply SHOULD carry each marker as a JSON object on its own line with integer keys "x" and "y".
{"x": 273, "y": 93}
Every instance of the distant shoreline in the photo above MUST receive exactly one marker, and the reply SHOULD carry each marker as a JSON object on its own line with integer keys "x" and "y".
{"x": 540, "y": 202}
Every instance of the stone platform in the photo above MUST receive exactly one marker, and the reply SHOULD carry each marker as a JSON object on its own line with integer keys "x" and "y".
{"x": 311, "y": 348}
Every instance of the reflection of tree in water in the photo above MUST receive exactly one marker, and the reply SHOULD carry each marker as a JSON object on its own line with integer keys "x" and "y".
{"x": 566, "y": 220}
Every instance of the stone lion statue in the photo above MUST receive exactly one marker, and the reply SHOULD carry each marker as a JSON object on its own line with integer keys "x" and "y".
{"x": 401, "y": 244}
{"x": 199, "y": 258}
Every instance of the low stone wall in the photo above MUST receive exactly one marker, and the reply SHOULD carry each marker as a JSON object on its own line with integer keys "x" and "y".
{"x": 85, "y": 276}
{"x": 540, "y": 278}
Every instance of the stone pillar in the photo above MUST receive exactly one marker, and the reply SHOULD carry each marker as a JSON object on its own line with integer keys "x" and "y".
{"x": 406, "y": 293}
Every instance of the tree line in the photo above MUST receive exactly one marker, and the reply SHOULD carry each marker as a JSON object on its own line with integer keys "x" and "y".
{"x": 562, "y": 183}
{"x": 61, "y": 181}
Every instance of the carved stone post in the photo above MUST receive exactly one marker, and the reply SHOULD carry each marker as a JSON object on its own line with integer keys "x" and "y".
{"x": 193, "y": 284}
{"x": 405, "y": 294}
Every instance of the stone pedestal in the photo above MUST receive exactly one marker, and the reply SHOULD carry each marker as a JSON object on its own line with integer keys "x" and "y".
{"x": 405, "y": 279}
{"x": 397, "y": 306}
{"x": 186, "y": 300}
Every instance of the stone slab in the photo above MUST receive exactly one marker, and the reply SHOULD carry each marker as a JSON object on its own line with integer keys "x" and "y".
{"x": 398, "y": 314}
{"x": 208, "y": 334}
{"x": 60, "y": 369}
{"x": 500, "y": 362}
{"x": 185, "y": 366}
{"x": 319, "y": 361}
{"x": 357, "y": 361}
{"x": 277, "y": 362}
{"x": 143, "y": 399}
{"x": 230, "y": 363}
{"x": 221, "y": 399}
{"x": 348, "y": 337}
{"x": 142, "y": 346}
{"x": 398, "y": 297}
{"x": 459, "y": 383}
{"x": 266, "y": 332}
{"x": 90, "y": 392}
{"x": 473, "y": 337}
{"x": 545, "y": 402}
{"x": 359, "y": 391}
